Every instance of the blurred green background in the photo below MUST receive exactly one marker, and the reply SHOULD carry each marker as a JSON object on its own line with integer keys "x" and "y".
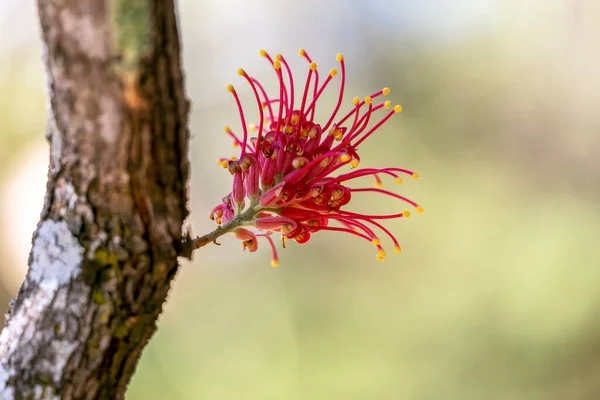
{"x": 496, "y": 293}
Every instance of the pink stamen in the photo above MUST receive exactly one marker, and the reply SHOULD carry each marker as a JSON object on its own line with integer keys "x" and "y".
{"x": 365, "y": 119}
{"x": 267, "y": 102}
{"x": 307, "y": 57}
{"x": 293, "y": 177}
{"x": 312, "y": 114}
{"x": 404, "y": 171}
{"x": 386, "y": 192}
{"x": 355, "y": 119}
{"x": 260, "y": 109}
{"x": 373, "y": 129}
{"x": 241, "y": 112}
{"x": 281, "y": 104}
{"x": 355, "y": 111}
{"x": 282, "y": 94}
{"x": 377, "y": 180}
{"x": 391, "y": 171}
{"x": 236, "y": 140}
{"x": 312, "y": 105}
{"x": 362, "y": 123}
{"x": 375, "y": 216}
{"x": 346, "y": 230}
{"x": 310, "y": 72}
{"x": 271, "y": 101}
{"x": 275, "y": 259}
{"x": 267, "y": 56}
{"x": 289, "y": 73}
{"x": 359, "y": 105}
{"x": 364, "y": 172}
{"x": 386, "y": 231}
{"x": 351, "y": 222}
{"x": 341, "y": 95}
{"x": 377, "y": 94}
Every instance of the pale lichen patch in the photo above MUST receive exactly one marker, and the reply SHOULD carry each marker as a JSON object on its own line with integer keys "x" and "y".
{"x": 99, "y": 240}
{"x": 21, "y": 328}
{"x": 56, "y": 255}
{"x": 43, "y": 393}
{"x": 65, "y": 196}
{"x": 6, "y": 392}
{"x": 61, "y": 350}
{"x": 26, "y": 344}
{"x": 55, "y": 144}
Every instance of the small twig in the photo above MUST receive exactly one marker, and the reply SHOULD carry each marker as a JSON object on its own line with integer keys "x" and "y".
{"x": 189, "y": 245}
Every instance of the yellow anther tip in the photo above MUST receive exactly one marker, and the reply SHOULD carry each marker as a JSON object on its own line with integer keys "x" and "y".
{"x": 386, "y": 91}
{"x": 397, "y": 249}
{"x": 278, "y": 57}
{"x": 241, "y": 72}
{"x": 368, "y": 100}
{"x": 415, "y": 176}
{"x": 224, "y": 164}
{"x": 226, "y": 129}
{"x": 354, "y": 163}
{"x": 387, "y": 104}
{"x": 345, "y": 158}
{"x": 263, "y": 53}
{"x": 301, "y": 52}
{"x": 252, "y": 127}
{"x": 406, "y": 214}
{"x": 274, "y": 263}
{"x": 235, "y": 144}
{"x": 333, "y": 72}
{"x": 378, "y": 184}
{"x": 313, "y": 66}
{"x": 397, "y": 108}
{"x": 381, "y": 253}
{"x": 398, "y": 180}
{"x": 339, "y": 57}
{"x": 355, "y": 101}
{"x": 375, "y": 241}
{"x": 230, "y": 88}
{"x": 277, "y": 65}
{"x": 419, "y": 209}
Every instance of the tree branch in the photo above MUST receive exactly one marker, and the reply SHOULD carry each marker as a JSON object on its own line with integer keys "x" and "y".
{"x": 106, "y": 247}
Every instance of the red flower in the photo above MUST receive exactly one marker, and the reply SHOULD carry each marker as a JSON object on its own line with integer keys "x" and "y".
{"x": 282, "y": 179}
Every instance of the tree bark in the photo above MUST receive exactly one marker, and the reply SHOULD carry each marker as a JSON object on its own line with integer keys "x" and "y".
{"x": 106, "y": 247}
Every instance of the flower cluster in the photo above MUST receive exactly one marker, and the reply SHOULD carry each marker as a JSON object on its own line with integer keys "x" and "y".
{"x": 282, "y": 179}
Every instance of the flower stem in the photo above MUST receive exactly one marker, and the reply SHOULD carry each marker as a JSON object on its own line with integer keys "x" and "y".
{"x": 238, "y": 221}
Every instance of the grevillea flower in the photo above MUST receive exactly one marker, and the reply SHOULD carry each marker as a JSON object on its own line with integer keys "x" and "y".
{"x": 287, "y": 178}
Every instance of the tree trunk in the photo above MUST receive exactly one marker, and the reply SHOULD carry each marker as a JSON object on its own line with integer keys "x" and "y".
{"x": 106, "y": 247}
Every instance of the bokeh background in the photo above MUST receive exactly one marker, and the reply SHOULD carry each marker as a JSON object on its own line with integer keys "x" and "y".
{"x": 496, "y": 295}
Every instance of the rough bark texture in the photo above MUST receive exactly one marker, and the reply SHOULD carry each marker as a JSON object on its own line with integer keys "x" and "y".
{"x": 106, "y": 247}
